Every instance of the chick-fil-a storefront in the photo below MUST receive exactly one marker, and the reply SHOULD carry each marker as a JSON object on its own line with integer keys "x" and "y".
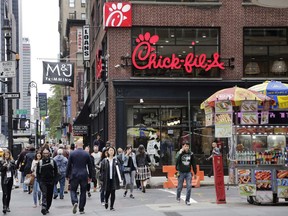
{"x": 169, "y": 66}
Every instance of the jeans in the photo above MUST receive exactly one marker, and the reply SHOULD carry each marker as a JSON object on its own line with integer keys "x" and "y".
{"x": 188, "y": 177}
{"x": 129, "y": 180}
{"x": 25, "y": 187}
{"x": 6, "y": 190}
{"x": 36, "y": 192}
{"x": 62, "y": 186}
{"x": 74, "y": 183}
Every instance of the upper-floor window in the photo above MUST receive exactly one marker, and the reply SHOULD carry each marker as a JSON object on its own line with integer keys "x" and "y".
{"x": 83, "y": 3}
{"x": 178, "y": 43}
{"x": 265, "y": 52}
{"x": 72, "y": 15}
{"x": 83, "y": 16}
{"x": 71, "y": 3}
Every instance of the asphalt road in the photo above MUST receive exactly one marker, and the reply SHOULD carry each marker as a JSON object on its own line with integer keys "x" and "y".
{"x": 155, "y": 202}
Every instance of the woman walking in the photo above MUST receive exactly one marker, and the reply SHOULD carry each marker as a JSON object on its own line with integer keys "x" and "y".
{"x": 143, "y": 162}
{"x": 130, "y": 168}
{"x": 36, "y": 188}
{"x": 8, "y": 171}
{"x": 110, "y": 175}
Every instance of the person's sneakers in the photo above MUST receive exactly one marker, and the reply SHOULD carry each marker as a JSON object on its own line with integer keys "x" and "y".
{"x": 143, "y": 190}
{"x": 106, "y": 205}
{"x": 103, "y": 203}
{"x": 82, "y": 212}
{"x": 131, "y": 196}
{"x": 55, "y": 196}
{"x": 43, "y": 211}
{"x": 125, "y": 193}
{"x": 8, "y": 209}
{"x": 112, "y": 209}
{"x": 74, "y": 210}
{"x": 89, "y": 194}
{"x": 178, "y": 200}
{"x": 187, "y": 203}
{"x": 47, "y": 211}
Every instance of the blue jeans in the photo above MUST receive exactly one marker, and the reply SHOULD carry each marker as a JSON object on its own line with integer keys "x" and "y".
{"x": 62, "y": 185}
{"x": 25, "y": 187}
{"x": 188, "y": 177}
{"x": 36, "y": 192}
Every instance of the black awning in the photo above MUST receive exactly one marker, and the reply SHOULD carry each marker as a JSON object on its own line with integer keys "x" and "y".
{"x": 83, "y": 117}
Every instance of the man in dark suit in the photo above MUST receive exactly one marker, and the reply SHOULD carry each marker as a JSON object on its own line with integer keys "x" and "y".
{"x": 78, "y": 174}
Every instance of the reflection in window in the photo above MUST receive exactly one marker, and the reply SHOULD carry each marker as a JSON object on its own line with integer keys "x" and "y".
{"x": 265, "y": 52}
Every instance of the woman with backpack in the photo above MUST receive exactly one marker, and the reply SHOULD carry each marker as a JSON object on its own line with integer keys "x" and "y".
{"x": 36, "y": 187}
{"x": 8, "y": 171}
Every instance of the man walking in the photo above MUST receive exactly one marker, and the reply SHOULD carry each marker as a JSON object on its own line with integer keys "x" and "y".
{"x": 184, "y": 162}
{"x": 78, "y": 174}
{"x": 46, "y": 173}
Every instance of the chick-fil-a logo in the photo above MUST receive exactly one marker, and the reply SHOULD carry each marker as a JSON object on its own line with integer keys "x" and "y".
{"x": 117, "y": 14}
{"x": 144, "y": 51}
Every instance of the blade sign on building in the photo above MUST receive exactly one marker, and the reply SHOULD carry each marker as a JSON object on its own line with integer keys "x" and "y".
{"x": 43, "y": 104}
{"x": 117, "y": 14}
{"x": 86, "y": 45}
{"x": 58, "y": 73}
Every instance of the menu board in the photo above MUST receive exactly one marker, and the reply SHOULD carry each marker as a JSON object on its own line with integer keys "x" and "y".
{"x": 282, "y": 183}
{"x": 249, "y": 106}
{"x": 249, "y": 118}
{"x": 249, "y": 112}
{"x": 246, "y": 188}
{"x": 264, "y": 117}
{"x": 223, "y": 106}
{"x": 208, "y": 116}
{"x": 263, "y": 180}
{"x": 223, "y": 119}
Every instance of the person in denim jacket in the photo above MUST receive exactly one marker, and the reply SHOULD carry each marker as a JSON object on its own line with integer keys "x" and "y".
{"x": 130, "y": 169}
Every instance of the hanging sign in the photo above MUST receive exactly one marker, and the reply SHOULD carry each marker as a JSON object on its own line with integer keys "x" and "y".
{"x": 117, "y": 14}
{"x": 86, "y": 45}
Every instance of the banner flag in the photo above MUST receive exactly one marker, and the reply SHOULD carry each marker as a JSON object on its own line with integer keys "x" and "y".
{"x": 58, "y": 73}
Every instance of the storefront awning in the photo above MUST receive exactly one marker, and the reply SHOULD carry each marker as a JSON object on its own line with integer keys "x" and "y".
{"x": 83, "y": 117}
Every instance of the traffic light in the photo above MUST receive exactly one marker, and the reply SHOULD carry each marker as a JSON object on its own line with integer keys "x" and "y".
{"x": 1, "y": 105}
{"x": 24, "y": 123}
{"x": 15, "y": 124}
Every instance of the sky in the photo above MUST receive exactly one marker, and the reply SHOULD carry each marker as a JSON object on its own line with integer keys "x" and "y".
{"x": 40, "y": 24}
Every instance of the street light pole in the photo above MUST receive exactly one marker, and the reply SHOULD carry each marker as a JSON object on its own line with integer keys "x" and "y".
{"x": 33, "y": 84}
{"x": 7, "y": 30}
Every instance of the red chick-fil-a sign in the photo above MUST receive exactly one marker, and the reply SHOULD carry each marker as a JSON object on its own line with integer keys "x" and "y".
{"x": 145, "y": 51}
{"x": 117, "y": 14}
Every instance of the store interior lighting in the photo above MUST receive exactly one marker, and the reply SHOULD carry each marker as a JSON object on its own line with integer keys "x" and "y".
{"x": 252, "y": 68}
{"x": 279, "y": 66}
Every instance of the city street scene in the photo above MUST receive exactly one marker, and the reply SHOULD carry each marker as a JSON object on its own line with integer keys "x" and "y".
{"x": 152, "y": 107}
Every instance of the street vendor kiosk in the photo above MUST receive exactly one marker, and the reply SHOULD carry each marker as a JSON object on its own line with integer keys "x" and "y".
{"x": 261, "y": 158}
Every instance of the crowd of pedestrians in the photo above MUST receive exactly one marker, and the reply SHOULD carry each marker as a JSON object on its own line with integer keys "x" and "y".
{"x": 56, "y": 169}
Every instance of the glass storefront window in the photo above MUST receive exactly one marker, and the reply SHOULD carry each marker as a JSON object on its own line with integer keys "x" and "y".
{"x": 162, "y": 129}
{"x": 265, "y": 52}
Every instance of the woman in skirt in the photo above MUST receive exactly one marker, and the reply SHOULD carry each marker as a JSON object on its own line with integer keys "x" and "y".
{"x": 143, "y": 162}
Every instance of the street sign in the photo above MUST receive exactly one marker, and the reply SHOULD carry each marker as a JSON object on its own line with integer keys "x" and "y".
{"x": 12, "y": 95}
{"x": 7, "y": 69}
{"x": 21, "y": 112}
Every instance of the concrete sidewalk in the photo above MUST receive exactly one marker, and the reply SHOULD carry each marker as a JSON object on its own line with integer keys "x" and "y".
{"x": 157, "y": 181}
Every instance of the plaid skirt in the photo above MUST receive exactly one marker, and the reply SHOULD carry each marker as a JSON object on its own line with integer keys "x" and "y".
{"x": 143, "y": 173}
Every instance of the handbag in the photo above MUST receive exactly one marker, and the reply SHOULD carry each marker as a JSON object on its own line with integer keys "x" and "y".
{"x": 127, "y": 169}
{"x": 29, "y": 179}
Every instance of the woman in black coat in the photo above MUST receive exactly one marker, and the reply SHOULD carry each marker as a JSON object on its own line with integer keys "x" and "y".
{"x": 8, "y": 170}
{"x": 111, "y": 181}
